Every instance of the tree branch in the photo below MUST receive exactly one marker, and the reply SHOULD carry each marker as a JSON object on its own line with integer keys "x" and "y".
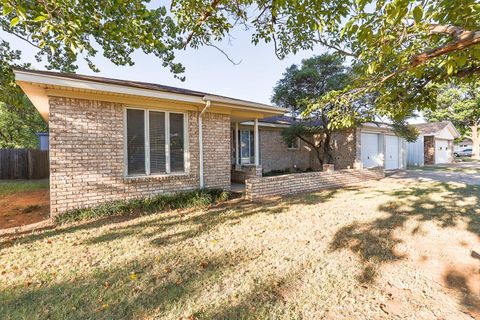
{"x": 463, "y": 40}
{"x": 338, "y": 49}
{"x": 23, "y": 38}
{"x": 224, "y": 53}
{"x": 202, "y": 20}
{"x": 453, "y": 31}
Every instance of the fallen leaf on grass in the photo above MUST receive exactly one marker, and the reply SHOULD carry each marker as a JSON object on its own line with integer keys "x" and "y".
{"x": 133, "y": 276}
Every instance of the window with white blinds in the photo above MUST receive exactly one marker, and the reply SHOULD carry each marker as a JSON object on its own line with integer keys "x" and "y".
{"x": 176, "y": 142}
{"x": 158, "y": 155}
{"x": 155, "y": 142}
{"x": 136, "y": 141}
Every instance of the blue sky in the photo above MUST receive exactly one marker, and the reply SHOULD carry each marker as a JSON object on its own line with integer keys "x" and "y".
{"x": 207, "y": 69}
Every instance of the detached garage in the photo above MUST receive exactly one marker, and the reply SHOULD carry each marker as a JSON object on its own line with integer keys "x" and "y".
{"x": 379, "y": 146}
{"x": 434, "y": 144}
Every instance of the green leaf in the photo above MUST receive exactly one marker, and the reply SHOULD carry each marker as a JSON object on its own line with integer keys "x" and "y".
{"x": 40, "y": 18}
{"x": 450, "y": 69}
{"x": 7, "y": 9}
{"x": 418, "y": 14}
{"x": 14, "y": 21}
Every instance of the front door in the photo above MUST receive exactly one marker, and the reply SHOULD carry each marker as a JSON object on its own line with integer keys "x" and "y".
{"x": 247, "y": 147}
{"x": 441, "y": 151}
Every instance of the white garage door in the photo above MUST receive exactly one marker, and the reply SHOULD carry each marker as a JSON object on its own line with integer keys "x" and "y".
{"x": 441, "y": 151}
{"x": 370, "y": 151}
{"x": 392, "y": 157}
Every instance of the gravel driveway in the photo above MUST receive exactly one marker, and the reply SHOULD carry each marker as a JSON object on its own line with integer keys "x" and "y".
{"x": 462, "y": 172}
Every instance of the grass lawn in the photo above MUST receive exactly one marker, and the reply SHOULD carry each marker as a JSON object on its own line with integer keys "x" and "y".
{"x": 8, "y": 187}
{"x": 386, "y": 250}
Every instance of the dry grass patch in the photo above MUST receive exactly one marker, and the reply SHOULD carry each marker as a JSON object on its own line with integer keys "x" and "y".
{"x": 362, "y": 252}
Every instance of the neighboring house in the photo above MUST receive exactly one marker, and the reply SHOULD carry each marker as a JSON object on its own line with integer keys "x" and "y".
{"x": 114, "y": 140}
{"x": 434, "y": 144}
{"x": 462, "y": 145}
{"x": 42, "y": 140}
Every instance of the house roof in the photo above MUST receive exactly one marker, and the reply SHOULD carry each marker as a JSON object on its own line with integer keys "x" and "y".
{"x": 37, "y": 83}
{"x": 287, "y": 120}
{"x": 135, "y": 84}
{"x": 433, "y": 128}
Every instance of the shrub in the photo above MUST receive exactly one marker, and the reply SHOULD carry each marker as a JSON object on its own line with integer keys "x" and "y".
{"x": 191, "y": 199}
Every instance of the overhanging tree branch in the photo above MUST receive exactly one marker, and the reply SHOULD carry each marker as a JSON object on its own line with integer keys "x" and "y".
{"x": 203, "y": 18}
{"x": 463, "y": 39}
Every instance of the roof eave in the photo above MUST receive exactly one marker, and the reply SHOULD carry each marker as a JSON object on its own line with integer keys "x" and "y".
{"x": 26, "y": 78}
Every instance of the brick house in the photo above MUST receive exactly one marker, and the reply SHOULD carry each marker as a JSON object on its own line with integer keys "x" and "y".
{"x": 112, "y": 139}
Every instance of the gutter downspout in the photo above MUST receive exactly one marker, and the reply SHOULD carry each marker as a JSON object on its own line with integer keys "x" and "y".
{"x": 200, "y": 141}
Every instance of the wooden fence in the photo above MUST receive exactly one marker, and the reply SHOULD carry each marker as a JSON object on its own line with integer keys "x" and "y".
{"x": 23, "y": 164}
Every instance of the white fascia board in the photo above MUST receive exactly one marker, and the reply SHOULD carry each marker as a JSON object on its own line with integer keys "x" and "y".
{"x": 243, "y": 103}
{"x": 453, "y": 130}
{"x": 264, "y": 124}
{"x": 97, "y": 86}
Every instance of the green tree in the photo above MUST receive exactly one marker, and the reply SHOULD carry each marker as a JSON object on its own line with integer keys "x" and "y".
{"x": 400, "y": 48}
{"x": 19, "y": 121}
{"x": 301, "y": 86}
{"x": 460, "y": 104}
{"x": 304, "y": 84}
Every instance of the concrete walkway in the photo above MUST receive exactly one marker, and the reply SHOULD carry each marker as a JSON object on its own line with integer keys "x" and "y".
{"x": 462, "y": 172}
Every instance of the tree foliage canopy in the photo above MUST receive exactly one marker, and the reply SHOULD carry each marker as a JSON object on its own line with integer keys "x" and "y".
{"x": 399, "y": 49}
{"x": 302, "y": 85}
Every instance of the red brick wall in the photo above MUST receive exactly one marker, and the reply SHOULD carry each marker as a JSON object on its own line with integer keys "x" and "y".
{"x": 87, "y": 163}
{"x": 306, "y": 182}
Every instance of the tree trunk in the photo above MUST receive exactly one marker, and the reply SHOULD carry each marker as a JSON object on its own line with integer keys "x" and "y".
{"x": 319, "y": 157}
{"x": 327, "y": 154}
{"x": 475, "y": 141}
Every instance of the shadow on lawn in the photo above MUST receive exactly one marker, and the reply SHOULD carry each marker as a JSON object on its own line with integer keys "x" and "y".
{"x": 460, "y": 281}
{"x": 174, "y": 284}
{"x": 165, "y": 284}
{"x": 194, "y": 224}
{"x": 375, "y": 242}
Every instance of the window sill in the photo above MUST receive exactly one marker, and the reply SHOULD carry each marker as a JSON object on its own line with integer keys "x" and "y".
{"x": 157, "y": 177}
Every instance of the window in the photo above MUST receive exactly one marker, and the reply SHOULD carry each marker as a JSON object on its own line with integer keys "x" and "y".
{"x": 155, "y": 142}
{"x": 247, "y": 147}
{"x": 294, "y": 144}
